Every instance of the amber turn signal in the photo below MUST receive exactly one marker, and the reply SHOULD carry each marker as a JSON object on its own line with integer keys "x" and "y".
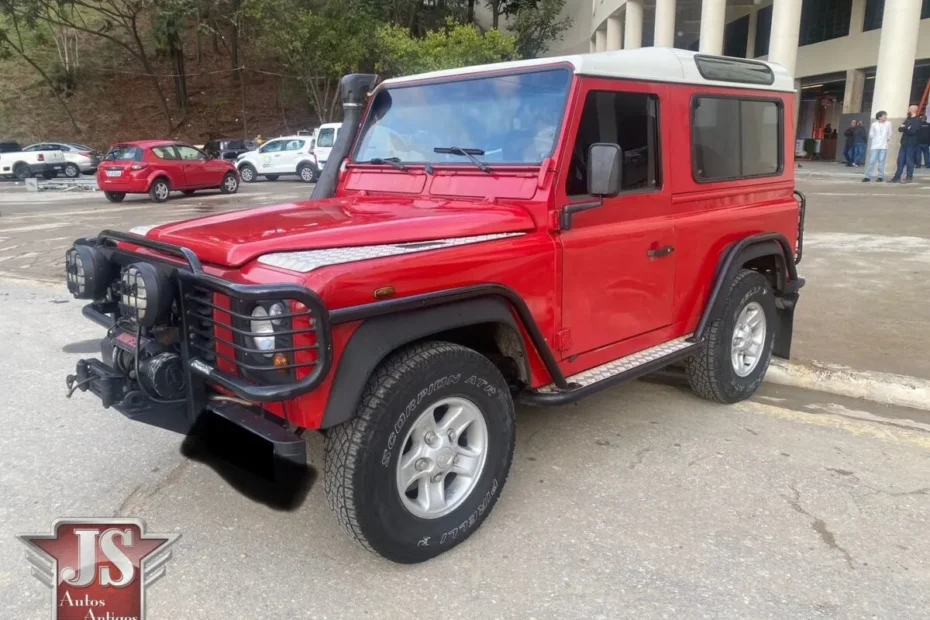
{"x": 385, "y": 292}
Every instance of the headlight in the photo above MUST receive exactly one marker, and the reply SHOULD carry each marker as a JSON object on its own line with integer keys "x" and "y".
{"x": 144, "y": 293}
{"x": 262, "y": 330}
{"x": 277, "y": 310}
{"x": 87, "y": 271}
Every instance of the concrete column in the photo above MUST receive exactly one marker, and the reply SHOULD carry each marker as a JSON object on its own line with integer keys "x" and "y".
{"x": 614, "y": 34}
{"x": 633, "y": 34}
{"x": 895, "y": 72}
{"x": 713, "y": 19}
{"x": 751, "y": 39}
{"x": 786, "y": 27}
{"x": 600, "y": 40}
{"x": 857, "y": 17}
{"x": 665, "y": 23}
{"x": 855, "y": 86}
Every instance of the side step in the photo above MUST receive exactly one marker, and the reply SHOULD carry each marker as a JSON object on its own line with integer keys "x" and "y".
{"x": 613, "y": 373}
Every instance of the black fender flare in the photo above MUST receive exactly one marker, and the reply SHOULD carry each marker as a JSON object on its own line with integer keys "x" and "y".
{"x": 787, "y": 283}
{"x": 378, "y": 337}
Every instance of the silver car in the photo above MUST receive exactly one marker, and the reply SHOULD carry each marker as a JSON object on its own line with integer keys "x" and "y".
{"x": 78, "y": 158}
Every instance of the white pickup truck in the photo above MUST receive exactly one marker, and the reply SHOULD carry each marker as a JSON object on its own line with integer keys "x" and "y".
{"x": 25, "y": 164}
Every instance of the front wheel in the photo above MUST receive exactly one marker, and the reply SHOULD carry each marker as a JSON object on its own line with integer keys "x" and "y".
{"x": 738, "y": 347}
{"x": 248, "y": 173}
{"x": 422, "y": 464}
{"x": 230, "y": 184}
{"x": 159, "y": 191}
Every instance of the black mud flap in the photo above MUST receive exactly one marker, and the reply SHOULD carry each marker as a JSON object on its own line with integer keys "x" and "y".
{"x": 785, "y": 306}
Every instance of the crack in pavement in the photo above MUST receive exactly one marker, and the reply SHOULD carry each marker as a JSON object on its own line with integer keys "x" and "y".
{"x": 819, "y": 526}
{"x": 640, "y": 455}
{"x": 135, "y": 499}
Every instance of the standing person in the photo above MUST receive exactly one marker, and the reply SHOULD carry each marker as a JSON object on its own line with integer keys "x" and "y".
{"x": 910, "y": 139}
{"x": 861, "y": 139}
{"x": 849, "y": 150}
{"x": 924, "y": 152}
{"x": 879, "y": 136}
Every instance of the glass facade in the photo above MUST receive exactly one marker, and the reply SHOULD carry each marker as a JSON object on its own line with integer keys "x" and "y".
{"x": 822, "y": 20}
{"x": 763, "y": 31}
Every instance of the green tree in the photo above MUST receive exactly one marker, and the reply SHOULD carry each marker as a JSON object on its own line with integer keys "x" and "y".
{"x": 318, "y": 42}
{"x": 12, "y": 42}
{"x": 536, "y": 25}
{"x": 456, "y": 45}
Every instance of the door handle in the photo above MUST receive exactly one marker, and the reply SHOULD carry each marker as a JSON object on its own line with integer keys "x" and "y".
{"x": 661, "y": 252}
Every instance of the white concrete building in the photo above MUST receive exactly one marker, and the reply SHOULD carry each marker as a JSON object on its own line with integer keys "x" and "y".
{"x": 848, "y": 56}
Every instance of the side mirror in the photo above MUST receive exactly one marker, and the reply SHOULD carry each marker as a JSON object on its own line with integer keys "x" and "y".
{"x": 605, "y": 179}
{"x": 605, "y": 170}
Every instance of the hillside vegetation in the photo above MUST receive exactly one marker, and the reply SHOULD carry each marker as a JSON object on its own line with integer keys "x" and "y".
{"x": 101, "y": 71}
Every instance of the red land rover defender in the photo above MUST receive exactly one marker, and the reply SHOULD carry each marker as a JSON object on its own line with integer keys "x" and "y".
{"x": 530, "y": 232}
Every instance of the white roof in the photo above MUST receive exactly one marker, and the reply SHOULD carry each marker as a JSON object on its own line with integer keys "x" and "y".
{"x": 654, "y": 64}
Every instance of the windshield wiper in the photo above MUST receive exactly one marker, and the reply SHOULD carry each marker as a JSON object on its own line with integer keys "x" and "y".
{"x": 469, "y": 153}
{"x": 390, "y": 161}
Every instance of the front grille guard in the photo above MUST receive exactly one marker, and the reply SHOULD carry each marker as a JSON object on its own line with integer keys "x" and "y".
{"x": 200, "y": 342}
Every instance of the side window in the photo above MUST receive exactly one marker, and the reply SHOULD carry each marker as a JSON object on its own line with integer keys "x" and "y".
{"x": 735, "y": 138}
{"x": 189, "y": 153}
{"x": 629, "y": 120}
{"x": 294, "y": 145}
{"x": 326, "y": 138}
{"x": 165, "y": 152}
{"x": 272, "y": 147}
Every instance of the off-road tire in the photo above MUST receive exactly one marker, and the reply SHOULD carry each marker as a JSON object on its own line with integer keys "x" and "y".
{"x": 114, "y": 196}
{"x": 230, "y": 184}
{"x": 307, "y": 173}
{"x": 155, "y": 190}
{"x": 248, "y": 173}
{"x": 361, "y": 455}
{"x": 271, "y": 177}
{"x": 72, "y": 171}
{"x": 710, "y": 370}
{"x": 22, "y": 172}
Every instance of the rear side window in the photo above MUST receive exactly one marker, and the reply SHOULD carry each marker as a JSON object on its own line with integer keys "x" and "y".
{"x": 124, "y": 153}
{"x": 735, "y": 138}
{"x": 627, "y": 119}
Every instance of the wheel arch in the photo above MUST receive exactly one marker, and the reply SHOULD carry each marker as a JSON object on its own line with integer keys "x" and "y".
{"x": 155, "y": 177}
{"x": 485, "y": 324}
{"x": 770, "y": 254}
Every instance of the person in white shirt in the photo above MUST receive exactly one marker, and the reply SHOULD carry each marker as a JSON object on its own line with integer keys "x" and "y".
{"x": 879, "y": 136}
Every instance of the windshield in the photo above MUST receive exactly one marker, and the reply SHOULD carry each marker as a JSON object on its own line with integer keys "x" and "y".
{"x": 124, "y": 153}
{"x": 327, "y": 138}
{"x": 512, "y": 119}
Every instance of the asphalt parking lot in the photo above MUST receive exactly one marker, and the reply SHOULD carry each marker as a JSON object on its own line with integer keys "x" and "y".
{"x": 642, "y": 502}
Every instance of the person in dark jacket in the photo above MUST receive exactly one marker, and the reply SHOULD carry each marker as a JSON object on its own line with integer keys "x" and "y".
{"x": 910, "y": 149}
{"x": 849, "y": 150}
{"x": 924, "y": 152}
{"x": 861, "y": 139}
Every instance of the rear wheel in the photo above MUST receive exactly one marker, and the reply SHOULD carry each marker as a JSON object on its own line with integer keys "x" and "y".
{"x": 72, "y": 171}
{"x": 230, "y": 184}
{"x": 738, "y": 347}
{"x": 160, "y": 190}
{"x": 22, "y": 172}
{"x": 114, "y": 196}
{"x": 423, "y": 463}
{"x": 307, "y": 173}
{"x": 271, "y": 177}
{"x": 248, "y": 173}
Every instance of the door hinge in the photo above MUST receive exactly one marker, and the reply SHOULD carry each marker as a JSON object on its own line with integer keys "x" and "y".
{"x": 563, "y": 340}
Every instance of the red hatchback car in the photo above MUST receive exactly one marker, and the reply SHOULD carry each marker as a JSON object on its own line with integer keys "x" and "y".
{"x": 159, "y": 167}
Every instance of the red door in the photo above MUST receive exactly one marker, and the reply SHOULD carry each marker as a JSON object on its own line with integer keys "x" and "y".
{"x": 618, "y": 262}
{"x": 197, "y": 171}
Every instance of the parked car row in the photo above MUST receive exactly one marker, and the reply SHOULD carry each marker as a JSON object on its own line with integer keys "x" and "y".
{"x": 46, "y": 159}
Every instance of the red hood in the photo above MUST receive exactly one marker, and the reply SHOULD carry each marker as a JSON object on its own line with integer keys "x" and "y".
{"x": 233, "y": 239}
